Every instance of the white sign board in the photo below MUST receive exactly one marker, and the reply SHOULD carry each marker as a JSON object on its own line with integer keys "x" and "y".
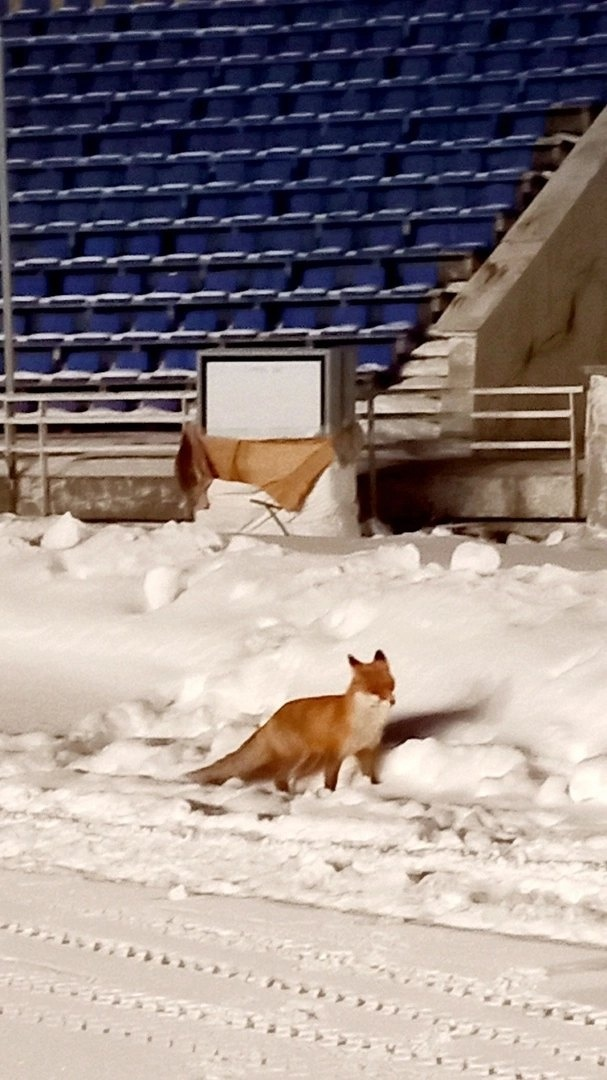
{"x": 263, "y": 397}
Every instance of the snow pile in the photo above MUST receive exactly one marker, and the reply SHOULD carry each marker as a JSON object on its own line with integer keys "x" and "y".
{"x": 132, "y": 654}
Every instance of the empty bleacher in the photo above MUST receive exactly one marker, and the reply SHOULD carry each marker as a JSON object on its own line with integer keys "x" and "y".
{"x": 191, "y": 171}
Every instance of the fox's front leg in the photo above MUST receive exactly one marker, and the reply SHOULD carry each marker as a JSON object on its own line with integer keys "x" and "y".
{"x": 369, "y": 762}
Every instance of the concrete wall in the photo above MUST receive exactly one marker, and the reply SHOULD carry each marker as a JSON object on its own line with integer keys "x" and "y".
{"x": 536, "y": 311}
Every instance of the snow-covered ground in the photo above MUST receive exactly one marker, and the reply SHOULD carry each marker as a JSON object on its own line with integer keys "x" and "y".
{"x": 129, "y": 655}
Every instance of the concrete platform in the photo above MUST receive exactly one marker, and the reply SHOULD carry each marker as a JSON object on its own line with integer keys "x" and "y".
{"x": 412, "y": 492}
{"x": 416, "y": 492}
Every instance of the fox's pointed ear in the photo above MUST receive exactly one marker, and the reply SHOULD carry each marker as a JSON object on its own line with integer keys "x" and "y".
{"x": 379, "y": 655}
{"x": 353, "y": 662}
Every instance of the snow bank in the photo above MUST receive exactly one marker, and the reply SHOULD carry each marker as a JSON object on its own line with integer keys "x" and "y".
{"x": 131, "y": 654}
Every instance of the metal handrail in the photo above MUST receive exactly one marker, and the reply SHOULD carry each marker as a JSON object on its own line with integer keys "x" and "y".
{"x": 565, "y": 413}
{"x": 568, "y": 413}
{"x": 47, "y": 414}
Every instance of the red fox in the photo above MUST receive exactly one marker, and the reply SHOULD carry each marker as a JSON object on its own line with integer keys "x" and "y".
{"x": 316, "y": 733}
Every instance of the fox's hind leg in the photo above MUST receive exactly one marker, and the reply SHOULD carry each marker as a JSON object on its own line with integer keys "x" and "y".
{"x": 281, "y": 781}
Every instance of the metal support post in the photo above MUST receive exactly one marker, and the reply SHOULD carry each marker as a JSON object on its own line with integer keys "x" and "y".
{"x": 7, "y": 297}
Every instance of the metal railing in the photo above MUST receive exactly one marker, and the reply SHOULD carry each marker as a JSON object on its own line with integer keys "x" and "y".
{"x": 50, "y": 427}
{"x": 56, "y": 430}
{"x": 565, "y": 414}
{"x": 431, "y": 411}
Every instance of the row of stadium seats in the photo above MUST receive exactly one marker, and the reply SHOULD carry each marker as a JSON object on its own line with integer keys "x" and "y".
{"x": 266, "y": 38}
{"x": 197, "y": 75}
{"x": 284, "y": 12}
{"x": 183, "y": 15}
{"x": 102, "y": 363}
{"x": 439, "y": 229}
{"x": 280, "y": 168}
{"x": 105, "y": 111}
{"x": 96, "y": 279}
{"x": 116, "y": 323}
{"x": 391, "y": 127}
{"x": 361, "y": 198}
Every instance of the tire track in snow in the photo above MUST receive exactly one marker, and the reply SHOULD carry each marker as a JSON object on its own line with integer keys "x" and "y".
{"x": 436, "y": 1026}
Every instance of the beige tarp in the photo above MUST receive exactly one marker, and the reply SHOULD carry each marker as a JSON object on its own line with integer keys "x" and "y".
{"x": 286, "y": 469}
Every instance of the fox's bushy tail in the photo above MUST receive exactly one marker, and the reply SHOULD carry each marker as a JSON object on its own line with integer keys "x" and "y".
{"x": 246, "y": 763}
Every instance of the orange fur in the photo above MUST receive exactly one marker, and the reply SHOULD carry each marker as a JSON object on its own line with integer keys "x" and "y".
{"x": 316, "y": 733}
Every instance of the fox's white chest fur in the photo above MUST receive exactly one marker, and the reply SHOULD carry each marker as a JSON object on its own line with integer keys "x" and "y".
{"x": 367, "y": 722}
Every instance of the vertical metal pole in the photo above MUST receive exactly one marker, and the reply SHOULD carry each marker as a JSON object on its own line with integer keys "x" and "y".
{"x": 573, "y": 454}
{"x": 371, "y": 457}
{"x": 7, "y": 293}
{"x": 43, "y": 457}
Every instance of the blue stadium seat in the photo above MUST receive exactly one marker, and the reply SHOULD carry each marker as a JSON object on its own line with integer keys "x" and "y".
{"x": 566, "y": 86}
{"x": 121, "y": 283}
{"x": 171, "y": 283}
{"x": 300, "y": 318}
{"x": 318, "y": 279}
{"x": 506, "y": 154}
{"x": 79, "y": 283}
{"x": 133, "y": 140}
{"x": 21, "y": 324}
{"x": 358, "y": 278}
{"x": 283, "y": 237}
{"x": 330, "y": 200}
{"x": 201, "y": 320}
{"x": 101, "y": 245}
{"x": 247, "y": 320}
{"x": 109, "y": 324}
{"x": 222, "y": 280}
{"x": 141, "y": 242}
{"x": 223, "y": 204}
{"x": 346, "y": 318}
{"x": 81, "y": 361}
{"x": 31, "y": 212}
{"x": 149, "y": 323}
{"x": 177, "y": 359}
{"x": 406, "y": 96}
{"x": 539, "y": 26}
{"x": 29, "y": 283}
{"x": 49, "y": 247}
{"x": 34, "y": 361}
{"x": 263, "y": 280}
{"x": 181, "y": 17}
{"x": 454, "y": 231}
{"x": 526, "y": 122}
{"x": 419, "y": 62}
{"x": 447, "y": 125}
{"x": 128, "y": 361}
{"x": 377, "y": 234}
{"x": 401, "y": 194}
{"x": 374, "y": 355}
{"x": 55, "y": 325}
{"x": 414, "y": 275}
{"x": 393, "y": 315}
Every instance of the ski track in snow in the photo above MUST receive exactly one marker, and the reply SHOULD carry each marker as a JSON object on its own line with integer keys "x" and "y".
{"x": 202, "y": 987}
